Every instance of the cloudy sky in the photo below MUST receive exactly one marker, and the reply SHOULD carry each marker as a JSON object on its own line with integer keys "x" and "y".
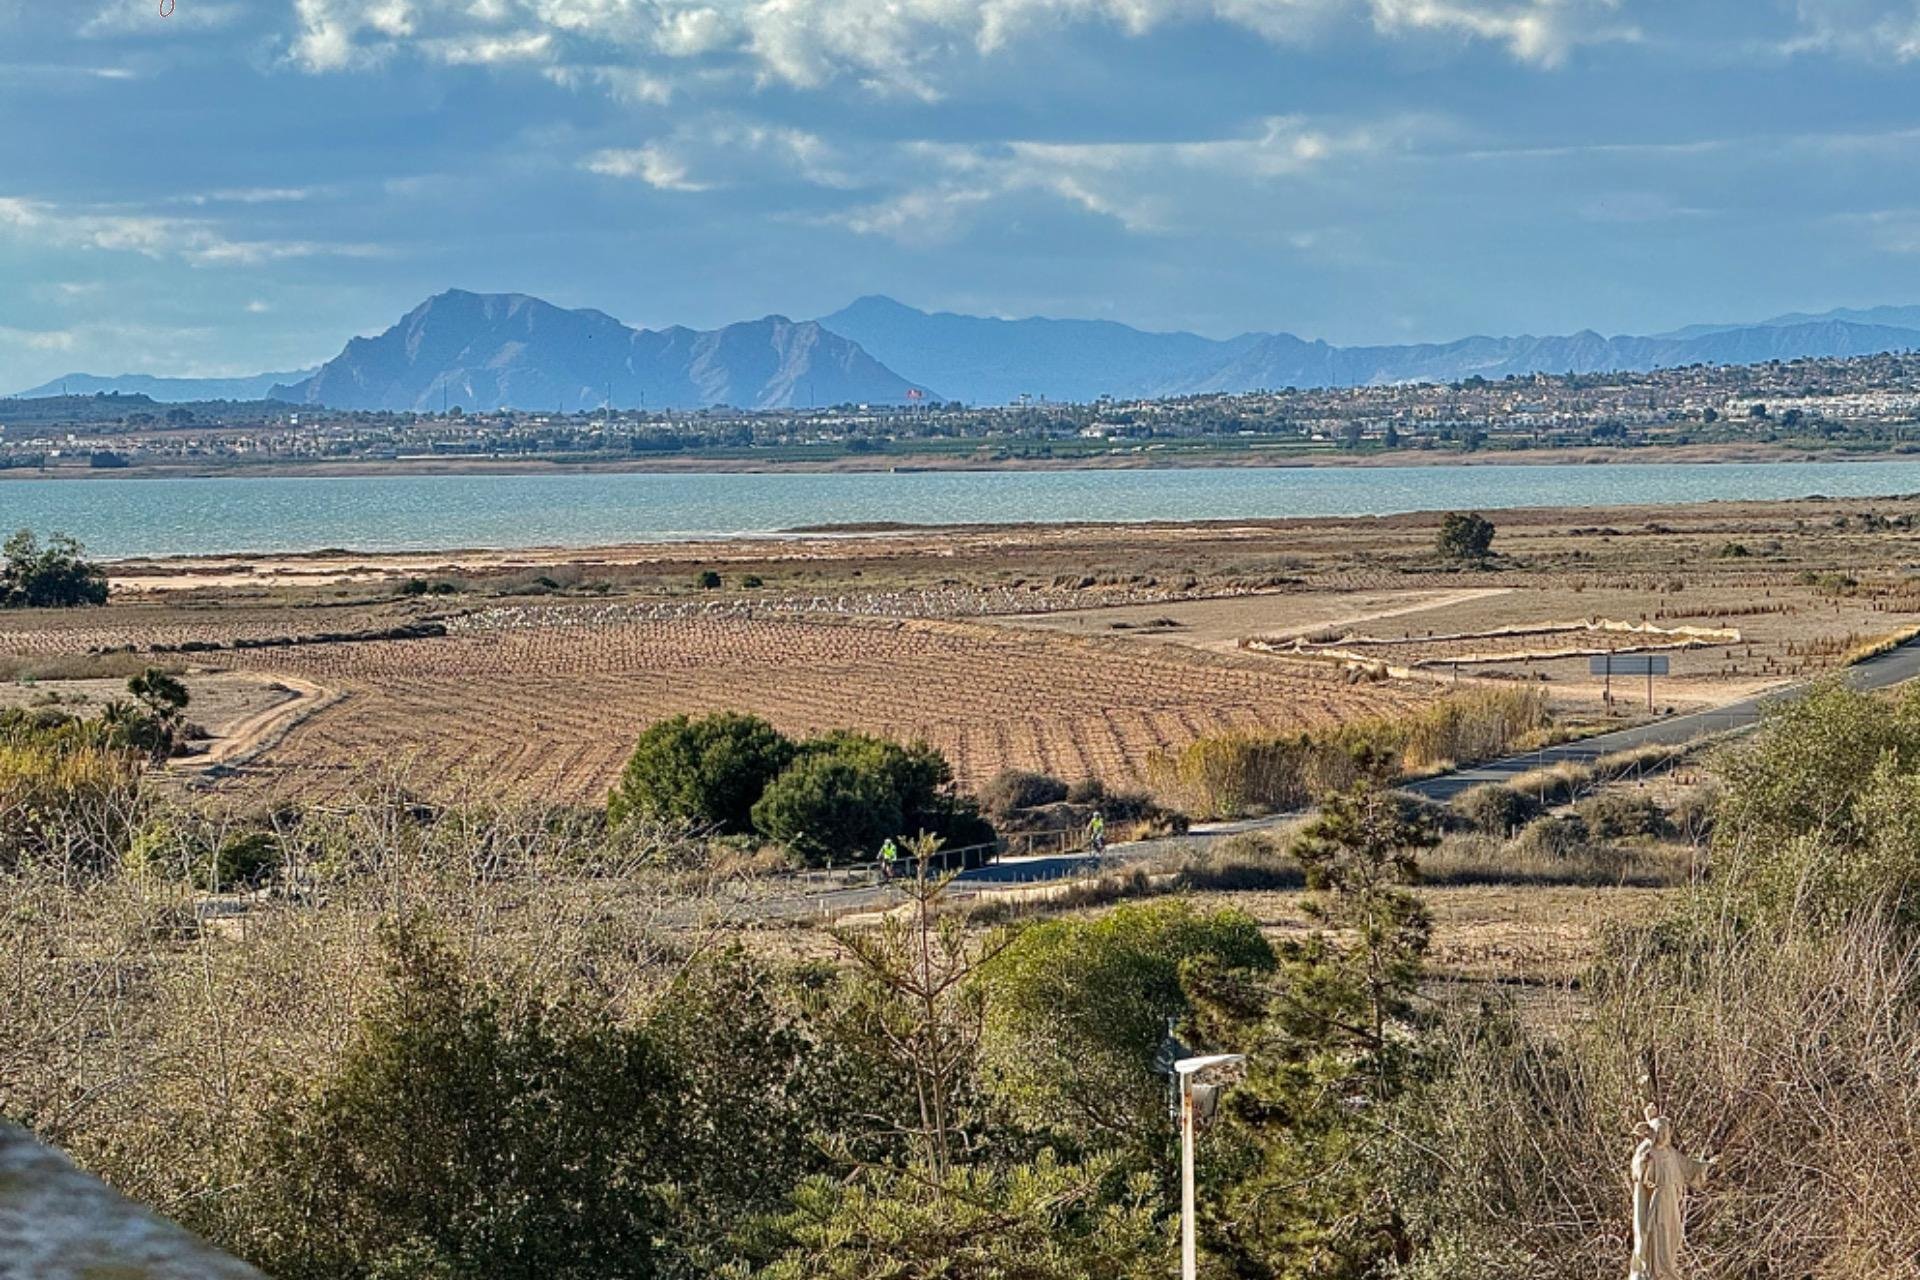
{"x": 243, "y": 184}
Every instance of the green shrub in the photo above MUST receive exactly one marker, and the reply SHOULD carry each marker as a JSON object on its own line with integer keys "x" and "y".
{"x": 709, "y": 771}
{"x": 846, "y": 793}
{"x": 48, "y": 577}
{"x": 1077, "y": 1009}
{"x": 1465, "y": 535}
{"x": 1494, "y": 809}
{"x": 210, "y": 861}
{"x": 462, "y": 1136}
{"x": 827, "y": 808}
{"x": 1614, "y": 815}
{"x": 1819, "y": 814}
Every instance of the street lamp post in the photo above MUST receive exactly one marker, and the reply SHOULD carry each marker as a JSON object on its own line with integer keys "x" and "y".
{"x": 1207, "y": 1074}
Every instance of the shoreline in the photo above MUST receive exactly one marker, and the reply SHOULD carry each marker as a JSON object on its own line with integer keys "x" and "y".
{"x": 869, "y": 464}
{"x": 821, "y": 542}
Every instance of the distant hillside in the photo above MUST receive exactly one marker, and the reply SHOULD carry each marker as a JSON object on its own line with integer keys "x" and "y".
{"x": 996, "y": 361}
{"x": 165, "y": 390}
{"x": 1286, "y": 361}
{"x": 987, "y": 361}
{"x": 491, "y": 351}
{"x": 494, "y": 351}
{"x": 114, "y": 406}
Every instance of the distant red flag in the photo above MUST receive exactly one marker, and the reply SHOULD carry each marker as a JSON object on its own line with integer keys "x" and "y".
{"x": 915, "y": 393}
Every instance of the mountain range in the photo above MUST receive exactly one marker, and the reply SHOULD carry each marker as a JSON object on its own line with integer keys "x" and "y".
{"x": 164, "y": 390}
{"x": 508, "y": 350}
{"x": 490, "y": 351}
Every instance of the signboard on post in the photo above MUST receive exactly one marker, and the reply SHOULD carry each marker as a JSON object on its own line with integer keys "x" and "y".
{"x": 1628, "y": 664}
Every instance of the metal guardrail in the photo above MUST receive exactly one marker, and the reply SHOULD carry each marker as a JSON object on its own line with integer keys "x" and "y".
{"x": 865, "y": 875}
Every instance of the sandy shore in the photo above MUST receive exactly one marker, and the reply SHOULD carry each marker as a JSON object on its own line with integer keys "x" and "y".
{"x": 868, "y": 463}
{"x": 833, "y": 543}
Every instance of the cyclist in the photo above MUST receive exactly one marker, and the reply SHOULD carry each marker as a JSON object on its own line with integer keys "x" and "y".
{"x": 889, "y": 859}
{"x": 1097, "y": 834}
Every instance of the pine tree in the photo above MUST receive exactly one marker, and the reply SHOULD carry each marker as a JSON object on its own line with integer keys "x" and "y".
{"x": 1301, "y": 1194}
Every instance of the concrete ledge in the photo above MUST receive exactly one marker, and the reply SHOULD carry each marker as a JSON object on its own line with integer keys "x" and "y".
{"x": 57, "y": 1223}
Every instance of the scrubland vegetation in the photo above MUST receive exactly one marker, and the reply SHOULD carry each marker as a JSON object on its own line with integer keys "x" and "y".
{"x": 50, "y": 576}
{"x": 1236, "y": 775}
{"x": 389, "y": 1037}
{"x": 528, "y": 999}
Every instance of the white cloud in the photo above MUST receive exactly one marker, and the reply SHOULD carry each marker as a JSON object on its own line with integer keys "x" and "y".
{"x": 142, "y": 18}
{"x": 193, "y": 241}
{"x": 1147, "y": 187}
{"x": 895, "y": 46}
{"x": 652, "y": 165}
{"x": 251, "y": 195}
{"x": 1895, "y": 231}
{"x": 40, "y": 339}
{"x": 926, "y": 192}
{"x": 690, "y": 32}
{"x": 483, "y": 51}
{"x": 918, "y": 218}
{"x": 1871, "y": 30}
{"x": 1541, "y": 32}
{"x": 721, "y": 153}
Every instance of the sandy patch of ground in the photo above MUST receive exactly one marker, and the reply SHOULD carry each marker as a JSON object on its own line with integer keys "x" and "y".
{"x": 1220, "y": 625}
{"x": 241, "y": 711}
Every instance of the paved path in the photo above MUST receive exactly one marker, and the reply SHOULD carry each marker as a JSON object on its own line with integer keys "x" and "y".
{"x": 1893, "y": 667}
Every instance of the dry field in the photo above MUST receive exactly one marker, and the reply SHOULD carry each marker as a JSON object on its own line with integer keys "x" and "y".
{"x": 66, "y": 633}
{"x": 553, "y": 710}
{"x": 1074, "y": 649}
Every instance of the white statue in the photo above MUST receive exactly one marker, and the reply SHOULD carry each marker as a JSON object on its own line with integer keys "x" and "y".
{"x": 1661, "y": 1177}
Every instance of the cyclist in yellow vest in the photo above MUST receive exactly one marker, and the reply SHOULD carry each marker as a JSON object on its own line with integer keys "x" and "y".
{"x": 889, "y": 859}
{"x": 1097, "y": 833}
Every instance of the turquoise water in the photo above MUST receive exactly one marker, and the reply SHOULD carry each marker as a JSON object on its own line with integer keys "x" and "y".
{"x": 391, "y": 513}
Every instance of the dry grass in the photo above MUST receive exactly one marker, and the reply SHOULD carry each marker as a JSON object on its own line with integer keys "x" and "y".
{"x": 150, "y": 1028}
{"x": 1790, "y": 1057}
{"x": 1237, "y": 774}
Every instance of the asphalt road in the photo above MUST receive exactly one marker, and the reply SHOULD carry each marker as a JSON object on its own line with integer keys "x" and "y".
{"x": 1893, "y": 667}
{"x": 1896, "y": 666}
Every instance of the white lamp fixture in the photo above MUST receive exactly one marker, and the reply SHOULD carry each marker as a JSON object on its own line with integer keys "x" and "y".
{"x": 1201, "y": 1080}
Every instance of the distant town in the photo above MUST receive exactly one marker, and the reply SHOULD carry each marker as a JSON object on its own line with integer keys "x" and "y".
{"x": 1862, "y": 403}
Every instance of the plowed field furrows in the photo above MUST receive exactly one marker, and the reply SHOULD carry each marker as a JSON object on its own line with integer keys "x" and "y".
{"x": 553, "y": 711}
{"x": 67, "y": 632}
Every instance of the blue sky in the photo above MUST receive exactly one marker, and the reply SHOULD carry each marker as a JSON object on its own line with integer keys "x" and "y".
{"x": 246, "y": 183}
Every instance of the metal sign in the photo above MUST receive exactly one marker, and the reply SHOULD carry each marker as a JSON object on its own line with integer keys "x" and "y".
{"x": 1628, "y": 664}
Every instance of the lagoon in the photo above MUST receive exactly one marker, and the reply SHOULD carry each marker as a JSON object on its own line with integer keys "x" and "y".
{"x": 119, "y": 518}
